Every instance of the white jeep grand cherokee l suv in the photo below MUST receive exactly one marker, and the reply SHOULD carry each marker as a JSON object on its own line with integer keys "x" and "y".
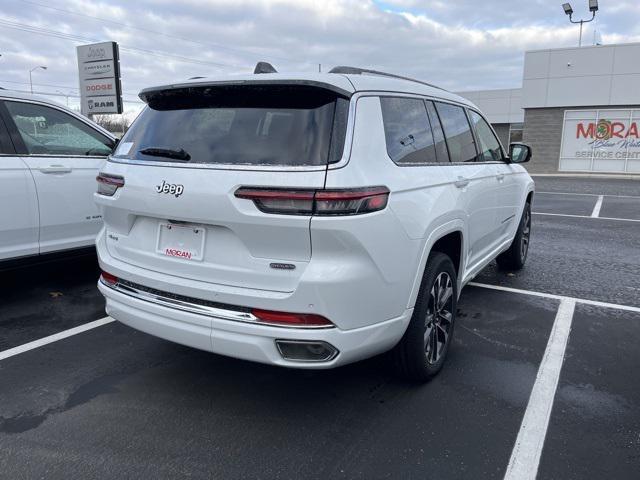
{"x": 307, "y": 220}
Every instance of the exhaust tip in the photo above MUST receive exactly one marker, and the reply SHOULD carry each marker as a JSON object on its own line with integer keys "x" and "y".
{"x": 306, "y": 350}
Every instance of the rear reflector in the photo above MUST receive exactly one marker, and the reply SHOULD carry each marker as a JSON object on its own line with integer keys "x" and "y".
{"x": 291, "y": 319}
{"x": 352, "y": 201}
{"x": 108, "y": 184}
{"x": 108, "y": 279}
{"x": 306, "y": 350}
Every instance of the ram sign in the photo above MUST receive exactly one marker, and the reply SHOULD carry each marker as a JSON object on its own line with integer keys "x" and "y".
{"x": 601, "y": 141}
{"x": 99, "y": 72}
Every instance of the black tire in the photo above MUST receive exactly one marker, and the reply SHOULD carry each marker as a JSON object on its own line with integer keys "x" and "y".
{"x": 516, "y": 256}
{"x": 414, "y": 354}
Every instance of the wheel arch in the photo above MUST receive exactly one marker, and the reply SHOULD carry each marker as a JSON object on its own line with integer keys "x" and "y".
{"x": 449, "y": 239}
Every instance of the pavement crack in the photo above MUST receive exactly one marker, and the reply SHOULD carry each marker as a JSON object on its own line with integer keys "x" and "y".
{"x": 493, "y": 341}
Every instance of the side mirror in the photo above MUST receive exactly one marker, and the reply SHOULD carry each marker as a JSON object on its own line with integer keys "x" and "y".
{"x": 519, "y": 153}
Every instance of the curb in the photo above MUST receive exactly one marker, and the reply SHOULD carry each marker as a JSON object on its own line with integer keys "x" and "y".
{"x": 587, "y": 175}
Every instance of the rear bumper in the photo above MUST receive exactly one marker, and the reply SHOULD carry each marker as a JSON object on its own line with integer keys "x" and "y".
{"x": 249, "y": 341}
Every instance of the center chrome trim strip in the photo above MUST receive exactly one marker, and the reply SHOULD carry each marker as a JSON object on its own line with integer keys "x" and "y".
{"x": 199, "y": 308}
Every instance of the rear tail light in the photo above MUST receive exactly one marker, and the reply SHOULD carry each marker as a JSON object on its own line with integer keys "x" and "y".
{"x": 291, "y": 319}
{"x": 352, "y": 201}
{"x": 108, "y": 184}
{"x": 108, "y": 279}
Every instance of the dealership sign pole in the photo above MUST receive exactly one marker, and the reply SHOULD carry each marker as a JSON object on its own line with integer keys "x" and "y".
{"x": 99, "y": 74}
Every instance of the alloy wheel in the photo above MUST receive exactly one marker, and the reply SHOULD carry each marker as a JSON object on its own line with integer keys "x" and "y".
{"x": 526, "y": 232}
{"x": 439, "y": 317}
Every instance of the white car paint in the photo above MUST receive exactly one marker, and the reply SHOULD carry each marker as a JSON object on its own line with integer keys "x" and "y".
{"x": 19, "y": 221}
{"x": 362, "y": 271}
{"x": 46, "y": 201}
{"x": 65, "y": 186}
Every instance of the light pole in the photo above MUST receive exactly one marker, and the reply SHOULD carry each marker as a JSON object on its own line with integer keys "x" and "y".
{"x": 65, "y": 95}
{"x": 31, "y": 71}
{"x": 593, "y": 8}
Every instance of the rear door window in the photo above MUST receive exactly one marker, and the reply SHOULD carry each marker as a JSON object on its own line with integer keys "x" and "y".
{"x": 407, "y": 131}
{"x": 49, "y": 131}
{"x": 269, "y": 125}
{"x": 489, "y": 145}
{"x": 457, "y": 130}
{"x": 442, "y": 153}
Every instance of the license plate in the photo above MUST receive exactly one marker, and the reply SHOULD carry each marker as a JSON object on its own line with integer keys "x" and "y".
{"x": 181, "y": 241}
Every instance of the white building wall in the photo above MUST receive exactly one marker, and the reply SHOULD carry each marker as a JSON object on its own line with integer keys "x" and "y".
{"x": 587, "y": 76}
{"x": 499, "y": 106}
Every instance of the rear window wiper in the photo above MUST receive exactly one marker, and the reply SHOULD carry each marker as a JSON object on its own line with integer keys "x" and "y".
{"x": 167, "y": 153}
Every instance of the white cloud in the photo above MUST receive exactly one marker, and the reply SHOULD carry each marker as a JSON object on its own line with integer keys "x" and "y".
{"x": 461, "y": 44}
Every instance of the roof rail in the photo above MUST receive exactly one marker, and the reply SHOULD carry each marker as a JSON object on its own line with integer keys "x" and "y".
{"x": 264, "y": 67}
{"x": 360, "y": 71}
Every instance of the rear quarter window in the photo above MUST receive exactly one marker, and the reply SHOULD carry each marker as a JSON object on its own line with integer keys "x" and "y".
{"x": 407, "y": 131}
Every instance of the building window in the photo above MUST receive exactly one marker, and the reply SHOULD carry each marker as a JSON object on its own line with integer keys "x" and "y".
{"x": 515, "y": 132}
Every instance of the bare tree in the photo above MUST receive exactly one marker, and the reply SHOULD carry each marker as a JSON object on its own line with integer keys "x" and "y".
{"x": 116, "y": 124}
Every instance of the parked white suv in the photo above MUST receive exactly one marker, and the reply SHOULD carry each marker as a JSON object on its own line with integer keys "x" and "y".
{"x": 49, "y": 157}
{"x": 307, "y": 221}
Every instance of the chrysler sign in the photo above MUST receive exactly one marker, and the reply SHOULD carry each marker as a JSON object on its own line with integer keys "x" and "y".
{"x": 99, "y": 72}
{"x": 601, "y": 140}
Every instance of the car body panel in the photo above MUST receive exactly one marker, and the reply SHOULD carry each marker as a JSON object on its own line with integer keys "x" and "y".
{"x": 65, "y": 186}
{"x": 19, "y": 216}
{"x": 241, "y": 242}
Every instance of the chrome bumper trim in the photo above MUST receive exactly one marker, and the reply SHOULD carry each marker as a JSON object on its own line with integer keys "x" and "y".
{"x": 197, "y": 306}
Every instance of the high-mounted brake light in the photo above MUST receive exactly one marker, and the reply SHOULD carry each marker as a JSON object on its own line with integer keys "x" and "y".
{"x": 108, "y": 184}
{"x": 108, "y": 279}
{"x": 291, "y": 319}
{"x": 352, "y": 201}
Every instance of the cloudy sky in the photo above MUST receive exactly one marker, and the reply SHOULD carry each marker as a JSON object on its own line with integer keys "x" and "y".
{"x": 458, "y": 44}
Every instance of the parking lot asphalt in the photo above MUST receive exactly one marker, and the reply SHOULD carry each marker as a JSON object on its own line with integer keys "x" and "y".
{"x": 595, "y": 426}
{"x": 112, "y": 402}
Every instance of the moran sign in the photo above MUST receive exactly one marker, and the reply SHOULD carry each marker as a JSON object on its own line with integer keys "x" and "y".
{"x": 601, "y": 140}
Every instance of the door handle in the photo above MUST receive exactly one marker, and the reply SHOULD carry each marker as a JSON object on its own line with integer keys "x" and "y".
{"x": 55, "y": 169}
{"x": 461, "y": 182}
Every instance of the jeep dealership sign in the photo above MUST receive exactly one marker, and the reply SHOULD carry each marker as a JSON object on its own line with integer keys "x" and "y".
{"x": 601, "y": 140}
{"x": 99, "y": 72}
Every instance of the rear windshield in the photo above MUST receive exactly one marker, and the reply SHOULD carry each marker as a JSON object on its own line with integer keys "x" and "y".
{"x": 279, "y": 125}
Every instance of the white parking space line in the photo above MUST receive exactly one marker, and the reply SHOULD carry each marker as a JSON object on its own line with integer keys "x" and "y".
{"x": 533, "y": 293}
{"x": 597, "y": 207}
{"x": 586, "y": 216}
{"x": 54, "y": 338}
{"x": 588, "y": 194}
{"x": 525, "y": 457}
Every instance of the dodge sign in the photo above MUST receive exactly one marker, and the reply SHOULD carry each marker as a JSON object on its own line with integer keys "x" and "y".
{"x": 99, "y": 72}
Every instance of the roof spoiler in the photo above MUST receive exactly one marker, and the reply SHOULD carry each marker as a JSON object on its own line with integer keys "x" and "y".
{"x": 150, "y": 94}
